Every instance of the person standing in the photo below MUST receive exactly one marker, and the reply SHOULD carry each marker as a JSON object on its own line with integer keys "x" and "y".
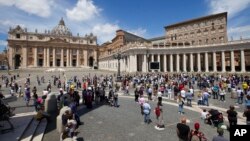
{"x": 27, "y": 96}
{"x": 239, "y": 96}
{"x": 141, "y": 102}
{"x": 232, "y": 116}
{"x": 159, "y": 116}
{"x": 196, "y": 135}
{"x": 180, "y": 102}
{"x": 247, "y": 115}
{"x": 189, "y": 97}
{"x": 222, "y": 95}
{"x": 159, "y": 95}
{"x": 183, "y": 130}
{"x": 146, "y": 111}
{"x": 220, "y": 135}
{"x": 205, "y": 98}
{"x": 150, "y": 93}
{"x": 136, "y": 95}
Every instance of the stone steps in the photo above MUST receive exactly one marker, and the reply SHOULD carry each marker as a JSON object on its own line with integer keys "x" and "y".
{"x": 38, "y": 135}
{"x": 34, "y": 131}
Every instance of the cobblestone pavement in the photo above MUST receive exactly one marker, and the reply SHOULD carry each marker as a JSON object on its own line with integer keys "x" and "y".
{"x": 105, "y": 123}
{"x": 113, "y": 124}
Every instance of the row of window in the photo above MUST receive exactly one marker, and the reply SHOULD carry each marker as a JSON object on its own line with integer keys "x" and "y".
{"x": 192, "y": 34}
{"x": 18, "y": 36}
{"x": 199, "y": 25}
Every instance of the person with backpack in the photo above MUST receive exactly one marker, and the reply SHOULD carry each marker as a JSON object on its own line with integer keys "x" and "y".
{"x": 146, "y": 111}
{"x": 196, "y": 135}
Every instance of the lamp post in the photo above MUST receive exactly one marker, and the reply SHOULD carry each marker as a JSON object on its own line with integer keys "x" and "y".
{"x": 118, "y": 56}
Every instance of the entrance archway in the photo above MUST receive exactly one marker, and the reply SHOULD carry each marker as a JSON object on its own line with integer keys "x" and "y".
{"x": 17, "y": 61}
{"x": 91, "y": 61}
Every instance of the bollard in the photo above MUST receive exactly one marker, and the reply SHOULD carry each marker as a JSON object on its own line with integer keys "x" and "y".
{"x": 233, "y": 93}
{"x": 50, "y": 104}
{"x": 59, "y": 126}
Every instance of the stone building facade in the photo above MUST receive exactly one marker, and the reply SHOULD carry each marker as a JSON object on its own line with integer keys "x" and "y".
{"x": 55, "y": 48}
{"x": 198, "y": 45}
{"x": 206, "y": 30}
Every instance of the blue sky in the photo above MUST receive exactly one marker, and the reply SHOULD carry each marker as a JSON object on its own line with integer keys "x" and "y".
{"x": 145, "y": 18}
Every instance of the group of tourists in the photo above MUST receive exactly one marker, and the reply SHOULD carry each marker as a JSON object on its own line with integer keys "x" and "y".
{"x": 183, "y": 88}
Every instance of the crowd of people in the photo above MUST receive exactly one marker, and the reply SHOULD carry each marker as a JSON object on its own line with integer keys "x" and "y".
{"x": 148, "y": 87}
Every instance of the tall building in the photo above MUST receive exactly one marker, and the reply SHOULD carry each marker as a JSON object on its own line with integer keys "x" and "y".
{"x": 210, "y": 29}
{"x": 197, "y": 45}
{"x": 55, "y": 48}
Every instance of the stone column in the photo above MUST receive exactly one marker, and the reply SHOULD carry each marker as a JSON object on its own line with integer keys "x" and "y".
{"x": 184, "y": 63}
{"x": 67, "y": 57}
{"x": 214, "y": 62}
{"x": 35, "y": 57}
{"x": 159, "y": 60}
{"x": 199, "y": 61}
{"x": 144, "y": 63}
{"x": 152, "y": 58}
{"x": 223, "y": 61}
{"x": 86, "y": 57}
{"x": 191, "y": 62}
{"x": 206, "y": 62}
{"x": 164, "y": 63}
{"x": 171, "y": 62}
{"x": 147, "y": 62}
{"x": 135, "y": 63}
{"x": 177, "y": 63}
{"x": 44, "y": 57}
{"x": 54, "y": 57}
{"x": 24, "y": 56}
{"x": 70, "y": 57}
{"x": 128, "y": 58}
{"x": 242, "y": 61}
{"x": 11, "y": 57}
{"x": 62, "y": 56}
{"x": 232, "y": 61}
{"x": 95, "y": 57}
{"x": 77, "y": 58}
{"x": 48, "y": 56}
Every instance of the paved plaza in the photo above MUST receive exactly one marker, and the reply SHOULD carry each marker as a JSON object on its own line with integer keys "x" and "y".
{"x": 105, "y": 123}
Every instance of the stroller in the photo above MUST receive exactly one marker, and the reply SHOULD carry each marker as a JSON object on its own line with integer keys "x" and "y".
{"x": 215, "y": 118}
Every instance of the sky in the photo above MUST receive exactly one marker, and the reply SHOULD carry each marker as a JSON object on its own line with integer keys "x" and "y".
{"x": 145, "y": 18}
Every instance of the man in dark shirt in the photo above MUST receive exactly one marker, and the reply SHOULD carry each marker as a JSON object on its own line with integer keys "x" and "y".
{"x": 183, "y": 130}
{"x": 247, "y": 115}
{"x": 232, "y": 116}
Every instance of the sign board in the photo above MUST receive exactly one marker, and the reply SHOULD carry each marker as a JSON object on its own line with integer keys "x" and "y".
{"x": 154, "y": 65}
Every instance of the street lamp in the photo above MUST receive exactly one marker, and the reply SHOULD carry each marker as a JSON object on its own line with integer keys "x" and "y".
{"x": 118, "y": 56}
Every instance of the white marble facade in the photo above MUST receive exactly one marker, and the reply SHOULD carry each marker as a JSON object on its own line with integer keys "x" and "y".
{"x": 199, "y": 58}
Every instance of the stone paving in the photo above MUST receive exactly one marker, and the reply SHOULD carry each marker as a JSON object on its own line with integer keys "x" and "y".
{"x": 109, "y": 123}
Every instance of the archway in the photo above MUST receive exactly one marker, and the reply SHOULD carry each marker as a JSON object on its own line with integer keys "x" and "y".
{"x": 91, "y": 61}
{"x": 17, "y": 61}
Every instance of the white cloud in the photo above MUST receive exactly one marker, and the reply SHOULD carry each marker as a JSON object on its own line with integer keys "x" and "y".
{"x": 105, "y": 32}
{"x": 240, "y": 31}
{"x": 139, "y": 31}
{"x": 233, "y": 7}
{"x": 83, "y": 11}
{"x": 3, "y": 43}
{"x": 40, "y": 8}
